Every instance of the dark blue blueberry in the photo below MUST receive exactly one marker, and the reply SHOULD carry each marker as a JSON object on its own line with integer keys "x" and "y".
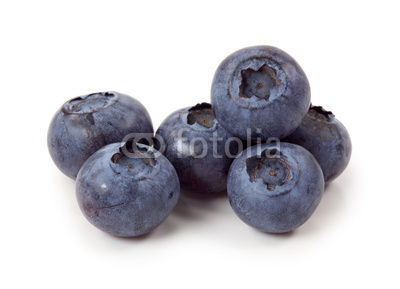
{"x": 260, "y": 92}
{"x": 326, "y": 138}
{"x": 85, "y": 124}
{"x": 275, "y": 188}
{"x": 127, "y": 192}
{"x": 200, "y": 149}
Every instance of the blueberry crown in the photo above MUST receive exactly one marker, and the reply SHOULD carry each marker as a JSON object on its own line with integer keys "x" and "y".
{"x": 320, "y": 110}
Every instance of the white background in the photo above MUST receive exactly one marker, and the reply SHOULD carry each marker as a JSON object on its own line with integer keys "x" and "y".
{"x": 164, "y": 53}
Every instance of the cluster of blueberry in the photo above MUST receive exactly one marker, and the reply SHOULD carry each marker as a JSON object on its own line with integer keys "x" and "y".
{"x": 259, "y": 139}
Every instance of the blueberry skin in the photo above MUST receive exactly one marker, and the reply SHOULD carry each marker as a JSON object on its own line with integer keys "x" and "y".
{"x": 200, "y": 172}
{"x": 260, "y": 88}
{"x": 126, "y": 196}
{"x": 275, "y": 193}
{"x": 326, "y": 138}
{"x": 85, "y": 124}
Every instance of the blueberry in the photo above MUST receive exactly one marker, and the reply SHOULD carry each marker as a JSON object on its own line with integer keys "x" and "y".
{"x": 326, "y": 138}
{"x": 275, "y": 188}
{"x": 260, "y": 92}
{"x": 200, "y": 149}
{"x": 87, "y": 123}
{"x": 127, "y": 192}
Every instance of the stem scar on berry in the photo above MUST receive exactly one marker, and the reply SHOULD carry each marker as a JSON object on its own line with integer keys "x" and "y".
{"x": 129, "y": 148}
{"x": 86, "y": 100}
{"x": 273, "y": 171}
{"x": 258, "y": 82}
{"x": 202, "y": 114}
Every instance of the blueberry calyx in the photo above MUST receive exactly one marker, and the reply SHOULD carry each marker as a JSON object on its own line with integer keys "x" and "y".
{"x": 129, "y": 152}
{"x": 271, "y": 168}
{"x": 319, "y": 110}
{"x": 201, "y": 114}
{"x": 258, "y": 83}
{"x": 273, "y": 171}
{"x": 90, "y": 103}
